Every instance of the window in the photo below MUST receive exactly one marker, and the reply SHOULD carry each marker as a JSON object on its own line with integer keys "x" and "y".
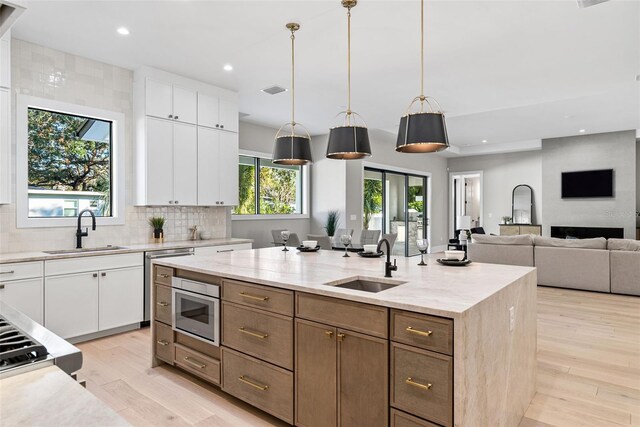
{"x": 68, "y": 159}
{"x": 69, "y": 164}
{"x": 266, "y": 188}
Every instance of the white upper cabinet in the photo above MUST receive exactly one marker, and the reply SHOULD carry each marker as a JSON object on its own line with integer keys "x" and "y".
{"x": 186, "y": 141}
{"x": 5, "y": 60}
{"x": 218, "y": 112}
{"x": 171, "y": 102}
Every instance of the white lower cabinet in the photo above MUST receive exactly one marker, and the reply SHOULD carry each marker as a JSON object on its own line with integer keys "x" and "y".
{"x": 25, "y": 296}
{"x": 71, "y": 304}
{"x": 120, "y": 297}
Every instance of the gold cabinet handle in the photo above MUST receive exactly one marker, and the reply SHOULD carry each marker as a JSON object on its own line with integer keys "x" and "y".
{"x": 245, "y": 380}
{"x": 194, "y": 363}
{"x": 329, "y": 334}
{"x": 341, "y": 337}
{"x": 163, "y": 342}
{"x": 254, "y": 297}
{"x": 253, "y": 334}
{"x": 410, "y": 381}
{"x": 418, "y": 332}
{"x": 164, "y": 276}
{"x": 163, "y": 304}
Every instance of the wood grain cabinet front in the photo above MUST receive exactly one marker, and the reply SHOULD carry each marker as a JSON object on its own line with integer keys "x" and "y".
{"x": 261, "y": 384}
{"x": 198, "y": 364}
{"x": 400, "y": 419}
{"x": 163, "y": 275}
{"x": 265, "y": 335}
{"x": 164, "y": 342}
{"x": 422, "y": 383}
{"x": 428, "y": 332}
{"x": 270, "y": 299}
{"x": 163, "y": 304}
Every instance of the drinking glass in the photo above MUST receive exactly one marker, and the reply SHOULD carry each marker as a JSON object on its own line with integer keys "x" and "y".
{"x": 423, "y": 245}
{"x": 345, "y": 239}
{"x": 285, "y": 236}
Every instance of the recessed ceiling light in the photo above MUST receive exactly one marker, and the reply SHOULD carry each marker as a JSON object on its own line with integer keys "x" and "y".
{"x": 582, "y": 130}
{"x": 484, "y": 141}
{"x": 228, "y": 67}
{"x": 123, "y": 31}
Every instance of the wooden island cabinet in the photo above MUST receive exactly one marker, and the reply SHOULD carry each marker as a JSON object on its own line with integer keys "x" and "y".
{"x": 314, "y": 357}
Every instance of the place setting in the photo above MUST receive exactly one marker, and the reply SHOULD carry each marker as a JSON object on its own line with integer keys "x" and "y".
{"x": 309, "y": 246}
{"x": 454, "y": 258}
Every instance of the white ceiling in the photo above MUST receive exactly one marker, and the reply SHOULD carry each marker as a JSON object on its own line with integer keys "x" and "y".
{"x": 505, "y": 71}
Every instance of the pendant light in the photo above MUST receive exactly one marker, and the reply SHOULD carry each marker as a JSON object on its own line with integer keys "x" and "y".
{"x": 349, "y": 141}
{"x": 423, "y": 132}
{"x": 292, "y": 149}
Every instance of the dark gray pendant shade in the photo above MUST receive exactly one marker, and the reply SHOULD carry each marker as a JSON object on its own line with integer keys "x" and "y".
{"x": 292, "y": 150}
{"x": 422, "y": 133}
{"x": 348, "y": 143}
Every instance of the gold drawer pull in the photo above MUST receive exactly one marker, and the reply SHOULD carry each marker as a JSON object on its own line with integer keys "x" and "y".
{"x": 418, "y": 332}
{"x": 329, "y": 334}
{"x": 410, "y": 381}
{"x": 164, "y": 276}
{"x": 163, "y": 304}
{"x": 253, "y": 334}
{"x": 341, "y": 337}
{"x": 163, "y": 342}
{"x": 194, "y": 363}
{"x": 255, "y": 297}
{"x": 244, "y": 379}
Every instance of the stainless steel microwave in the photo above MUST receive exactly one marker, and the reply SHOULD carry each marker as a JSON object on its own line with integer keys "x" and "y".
{"x": 196, "y": 309}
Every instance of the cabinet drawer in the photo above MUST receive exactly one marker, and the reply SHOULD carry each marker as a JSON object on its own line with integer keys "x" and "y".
{"x": 164, "y": 342}
{"x": 198, "y": 364}
{"x": 264, "y": 335}
{"x": 422, "y": 383}
{"x": 421, "y": 330}
{"x": 20, "y": 270}
{"x": 355, "y": 316}
{"x": 92, "y": 263}
{"x": 163, "y": 304}
{"x": 400, "y": 419}
{"x": 211, "y": 250}
{"x": 259, "y": 383}
{"x": 163, "y": 275}
{"x": 276, "y": 300}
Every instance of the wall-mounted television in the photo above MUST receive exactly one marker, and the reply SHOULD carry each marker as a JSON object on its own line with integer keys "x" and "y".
{"x": 585, "y": 184}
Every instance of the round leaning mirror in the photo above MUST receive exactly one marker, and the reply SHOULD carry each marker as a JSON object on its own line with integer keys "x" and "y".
{"x": 522, "y": 204}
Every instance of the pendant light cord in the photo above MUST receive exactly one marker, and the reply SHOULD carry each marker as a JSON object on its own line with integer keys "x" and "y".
{"x": 349, "y": 65}
{"x": 422, "y": 97}
{"x": 293, "y": 83}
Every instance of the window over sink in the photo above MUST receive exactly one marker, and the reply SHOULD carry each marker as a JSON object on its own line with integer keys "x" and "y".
{"x": 68, "y": 159}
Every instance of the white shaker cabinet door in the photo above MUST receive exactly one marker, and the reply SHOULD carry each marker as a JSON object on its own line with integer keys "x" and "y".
{"x": 185, "y": 105}
{"x": 229, "y": 115}
{"x": 208, "y": 176}
{"x": 159, "y": 162}
{"x": 208, "y": 112}
{"x": 228, "y": 168}
{"x": 25, "y": 296}
{"x": 71, "y": 304}
{"x": 185, "y": 165}
{"x": 120, "y": 297}
{"x": 159, "y": 99}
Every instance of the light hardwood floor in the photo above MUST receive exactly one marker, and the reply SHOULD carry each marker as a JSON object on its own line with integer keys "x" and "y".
{"x": 588, "y": 372}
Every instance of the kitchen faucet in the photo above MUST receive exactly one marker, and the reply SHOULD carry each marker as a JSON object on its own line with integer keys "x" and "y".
{"x": 388, "y": 268}
{"x": 79, "y": 233}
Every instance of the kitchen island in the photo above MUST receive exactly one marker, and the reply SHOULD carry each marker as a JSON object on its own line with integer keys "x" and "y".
{"x": 445, "y": 345}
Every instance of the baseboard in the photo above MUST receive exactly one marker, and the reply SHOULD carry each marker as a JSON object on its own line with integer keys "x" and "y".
{"x": 102, "y": 334}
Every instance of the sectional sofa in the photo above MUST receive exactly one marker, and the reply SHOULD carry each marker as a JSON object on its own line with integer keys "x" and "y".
{"x": 588, "y": 264}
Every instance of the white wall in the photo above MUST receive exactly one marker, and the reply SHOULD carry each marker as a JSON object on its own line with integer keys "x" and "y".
{"x": 52, "y": 74}
{"x": 615, "y": 150}
{"x": 637, "y": 182}
{"x": 501, "y": 173}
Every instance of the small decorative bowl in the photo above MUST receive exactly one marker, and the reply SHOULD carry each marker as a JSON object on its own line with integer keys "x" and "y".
{"x": 309, "y": 243}
{"x": 369, "y": 248}
{"x": 459, "y": 255}
{"x": 205, "y": 235}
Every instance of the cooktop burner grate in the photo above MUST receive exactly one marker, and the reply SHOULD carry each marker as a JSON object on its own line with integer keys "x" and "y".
{"x": 17, "y": 348}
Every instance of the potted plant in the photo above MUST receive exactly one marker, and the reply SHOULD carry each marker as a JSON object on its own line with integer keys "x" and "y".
{"x": 506, "y": 220}
{"x": 157, "y": 222}
{"x": 333, "y": 218}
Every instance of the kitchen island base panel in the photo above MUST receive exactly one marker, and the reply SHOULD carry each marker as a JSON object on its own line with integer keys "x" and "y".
{"x": 495, "y": 368}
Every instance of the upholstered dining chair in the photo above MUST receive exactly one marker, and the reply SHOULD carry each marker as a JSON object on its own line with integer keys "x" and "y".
{"x": 323, "y": 240}
{"x": 294, "y": 240}
{"x": 391, "y": 238}
{"x": 369, "y": 237}
{"x": 339, "y": 232}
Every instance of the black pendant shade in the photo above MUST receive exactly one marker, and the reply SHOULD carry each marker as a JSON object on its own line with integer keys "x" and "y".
{"x": 348, "y": 143}
{"x": 292, "y": 150}
{"x": 422, "y": 133}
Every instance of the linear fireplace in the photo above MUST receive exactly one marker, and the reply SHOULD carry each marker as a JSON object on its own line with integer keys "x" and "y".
{"x": 573, "y": 232}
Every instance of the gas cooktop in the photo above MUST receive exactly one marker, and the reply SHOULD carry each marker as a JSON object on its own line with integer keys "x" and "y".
{"x": 18, "y": 348}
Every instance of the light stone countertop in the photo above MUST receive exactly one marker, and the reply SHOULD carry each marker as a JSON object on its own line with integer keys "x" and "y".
{"x": 142, "y": 247}
{"x": 434, "y": 289}
{"x": 48, "y": 396}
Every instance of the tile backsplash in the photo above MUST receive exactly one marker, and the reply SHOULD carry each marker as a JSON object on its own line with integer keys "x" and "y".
{"x": 48, "y": 73}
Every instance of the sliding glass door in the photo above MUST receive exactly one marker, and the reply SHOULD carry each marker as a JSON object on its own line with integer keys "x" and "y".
{"x": 395, "y": 203}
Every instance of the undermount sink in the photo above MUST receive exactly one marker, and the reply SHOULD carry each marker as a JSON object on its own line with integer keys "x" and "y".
{"x": 368, "y": 285}
{"x": 84, "y": 250}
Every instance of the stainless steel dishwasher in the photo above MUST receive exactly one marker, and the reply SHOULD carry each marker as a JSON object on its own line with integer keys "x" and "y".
{"x": 148, "y": 275}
